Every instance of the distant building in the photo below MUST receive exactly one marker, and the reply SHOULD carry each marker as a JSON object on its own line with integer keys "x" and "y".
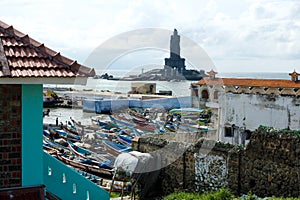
{"x": 143, "y": 88}
{"x": 239, "y": 105}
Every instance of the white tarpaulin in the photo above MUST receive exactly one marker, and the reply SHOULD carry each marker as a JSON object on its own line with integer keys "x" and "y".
{"x": 129, "y": 161}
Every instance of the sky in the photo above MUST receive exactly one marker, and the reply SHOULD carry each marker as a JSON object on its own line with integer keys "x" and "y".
{"x": 237, "y": 35}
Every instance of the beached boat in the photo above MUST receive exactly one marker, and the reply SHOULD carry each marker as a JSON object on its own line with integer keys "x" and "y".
{"x": 146, "y": 127}
{"x": 105, "y": 125}
{"x": 85, "y": 166}
{"x": 138, "y": 116}
{"x": 117, "y": 120}
{"x": 63, "y": 134}
{"x": 187, "y": 111}
{"x": 125, "y": 139}
{"x": 114, "y": 148}
{"x": 70, "y": 130}
{"x": 53, "y": 146}
{"x": 79, "y": 151}
{"x": 170, "y": 127}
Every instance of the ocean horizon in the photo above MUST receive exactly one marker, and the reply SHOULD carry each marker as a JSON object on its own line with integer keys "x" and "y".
{"x": 178, "y": 88}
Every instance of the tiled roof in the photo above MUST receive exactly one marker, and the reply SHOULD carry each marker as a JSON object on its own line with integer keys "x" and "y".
{"x": 249, "y": 82}
{"x": 23, "y": 57}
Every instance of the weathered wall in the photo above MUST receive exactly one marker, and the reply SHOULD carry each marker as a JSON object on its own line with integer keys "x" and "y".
{"x": 10, "y": 136}
{"x": 192, "y": 164}
{"x": 270, "y": 165}
{"x": 248, "y": 111}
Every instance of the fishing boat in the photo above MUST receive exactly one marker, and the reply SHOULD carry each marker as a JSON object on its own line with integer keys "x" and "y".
{"x": 115, "y": 149}
{"x": 85, "y": 166}
{"x": 79, "y": 151}
{"x": 125, "y": 139}
{"x": 117, "y": 120}
{"x": 146, "y": 127}
{"x": 187, "y": 111}
{"x": 138, "y": 116}
{"x": 52, "y": 145}
{"x": 67, "y": 136}
{"x": 70, "y": 130}
{"x": 105, "y": 125}
{"x": 170, "y": 127}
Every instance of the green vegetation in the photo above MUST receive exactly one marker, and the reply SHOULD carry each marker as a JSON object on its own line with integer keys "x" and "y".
{"x": 283, "y": 132}
{"x": 222, "y": 194}
{"x": 115, "y": 195}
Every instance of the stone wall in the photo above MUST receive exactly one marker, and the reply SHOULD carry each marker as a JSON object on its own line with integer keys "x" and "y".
{"x": 271, "y": 163}
{"x": 190, "y": 163}
{"x": 10, "y": 136}
{"x": 268, "y": 166}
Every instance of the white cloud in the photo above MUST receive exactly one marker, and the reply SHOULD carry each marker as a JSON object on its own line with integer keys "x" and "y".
{"x": 234, "y": 33}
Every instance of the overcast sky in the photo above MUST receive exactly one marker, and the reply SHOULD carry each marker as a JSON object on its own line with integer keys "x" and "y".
{"x": 238, "y": 35}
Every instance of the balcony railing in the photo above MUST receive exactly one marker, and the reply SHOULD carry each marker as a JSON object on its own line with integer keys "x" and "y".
{"x": 66, "y": 183}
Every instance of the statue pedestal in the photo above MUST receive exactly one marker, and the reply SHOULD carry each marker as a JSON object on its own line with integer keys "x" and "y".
{"x": 177, "y": 64}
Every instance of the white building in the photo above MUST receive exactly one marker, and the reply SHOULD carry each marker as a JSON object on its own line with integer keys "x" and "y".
{"x": 239, "y": 106}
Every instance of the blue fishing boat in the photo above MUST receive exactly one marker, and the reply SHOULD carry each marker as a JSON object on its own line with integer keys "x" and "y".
{"x": 79, "y": 151}
{"x": 115, "y": 149}
{"x": 65, "y": 135}
{"x": 170, "y": 127}
{"x": 125, "y": 139}
{"x": 105, "y": 125}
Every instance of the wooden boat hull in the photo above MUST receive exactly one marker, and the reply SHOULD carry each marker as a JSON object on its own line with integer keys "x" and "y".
{"x": 107, "y": 173}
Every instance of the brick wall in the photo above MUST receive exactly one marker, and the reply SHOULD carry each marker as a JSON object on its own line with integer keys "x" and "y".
{"x": 10, "y": 136}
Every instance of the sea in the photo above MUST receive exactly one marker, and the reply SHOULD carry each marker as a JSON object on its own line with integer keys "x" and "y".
{"x": 178, "y": 88}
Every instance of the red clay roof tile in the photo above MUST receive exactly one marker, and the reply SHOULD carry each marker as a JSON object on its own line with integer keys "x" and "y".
{"x": 27, "y": 57}
{"x": 249, "y": 82}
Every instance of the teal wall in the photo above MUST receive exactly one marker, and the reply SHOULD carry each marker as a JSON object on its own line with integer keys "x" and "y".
{"x": 66, "y": 183}
{"x": 32, "y": 135}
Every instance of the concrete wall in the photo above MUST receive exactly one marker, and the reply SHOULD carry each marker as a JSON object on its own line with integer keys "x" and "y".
{"x": 252, "y": 110}
{"x": 246, "y": 108}
{"x": 269, "y": 165}
{"x": 106, "y": 105}
{"x": 248, "y": 111}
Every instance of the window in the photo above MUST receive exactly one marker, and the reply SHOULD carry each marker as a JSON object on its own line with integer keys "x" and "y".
{"x": 216, "y": 95}
{"x": 195, "y": 92}
{"x": 204, "y": 94}
{"x": 228, "y": 131}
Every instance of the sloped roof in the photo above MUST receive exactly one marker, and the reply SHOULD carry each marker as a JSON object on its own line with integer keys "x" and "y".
{"x": 249, "y": 82}
{"x": 23, "y": 57}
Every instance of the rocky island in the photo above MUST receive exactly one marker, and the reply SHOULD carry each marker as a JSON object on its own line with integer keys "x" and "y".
{"x": 174, "y": 67}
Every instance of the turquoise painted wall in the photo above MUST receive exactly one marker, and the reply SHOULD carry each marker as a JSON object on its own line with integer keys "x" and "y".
{"x": 32, "y": 135}
{"x": 66, "y": 183}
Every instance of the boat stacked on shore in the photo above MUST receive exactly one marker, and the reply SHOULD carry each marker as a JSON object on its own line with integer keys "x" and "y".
{"x": 92, "y": 148}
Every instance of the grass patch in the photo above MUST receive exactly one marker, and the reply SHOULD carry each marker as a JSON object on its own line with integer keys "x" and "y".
{"x": 115, "y": 194}
{"x": 222, "y": 194}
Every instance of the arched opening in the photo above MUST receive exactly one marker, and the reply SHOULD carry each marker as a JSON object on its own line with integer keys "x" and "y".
{"x": 204, "y": 94}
